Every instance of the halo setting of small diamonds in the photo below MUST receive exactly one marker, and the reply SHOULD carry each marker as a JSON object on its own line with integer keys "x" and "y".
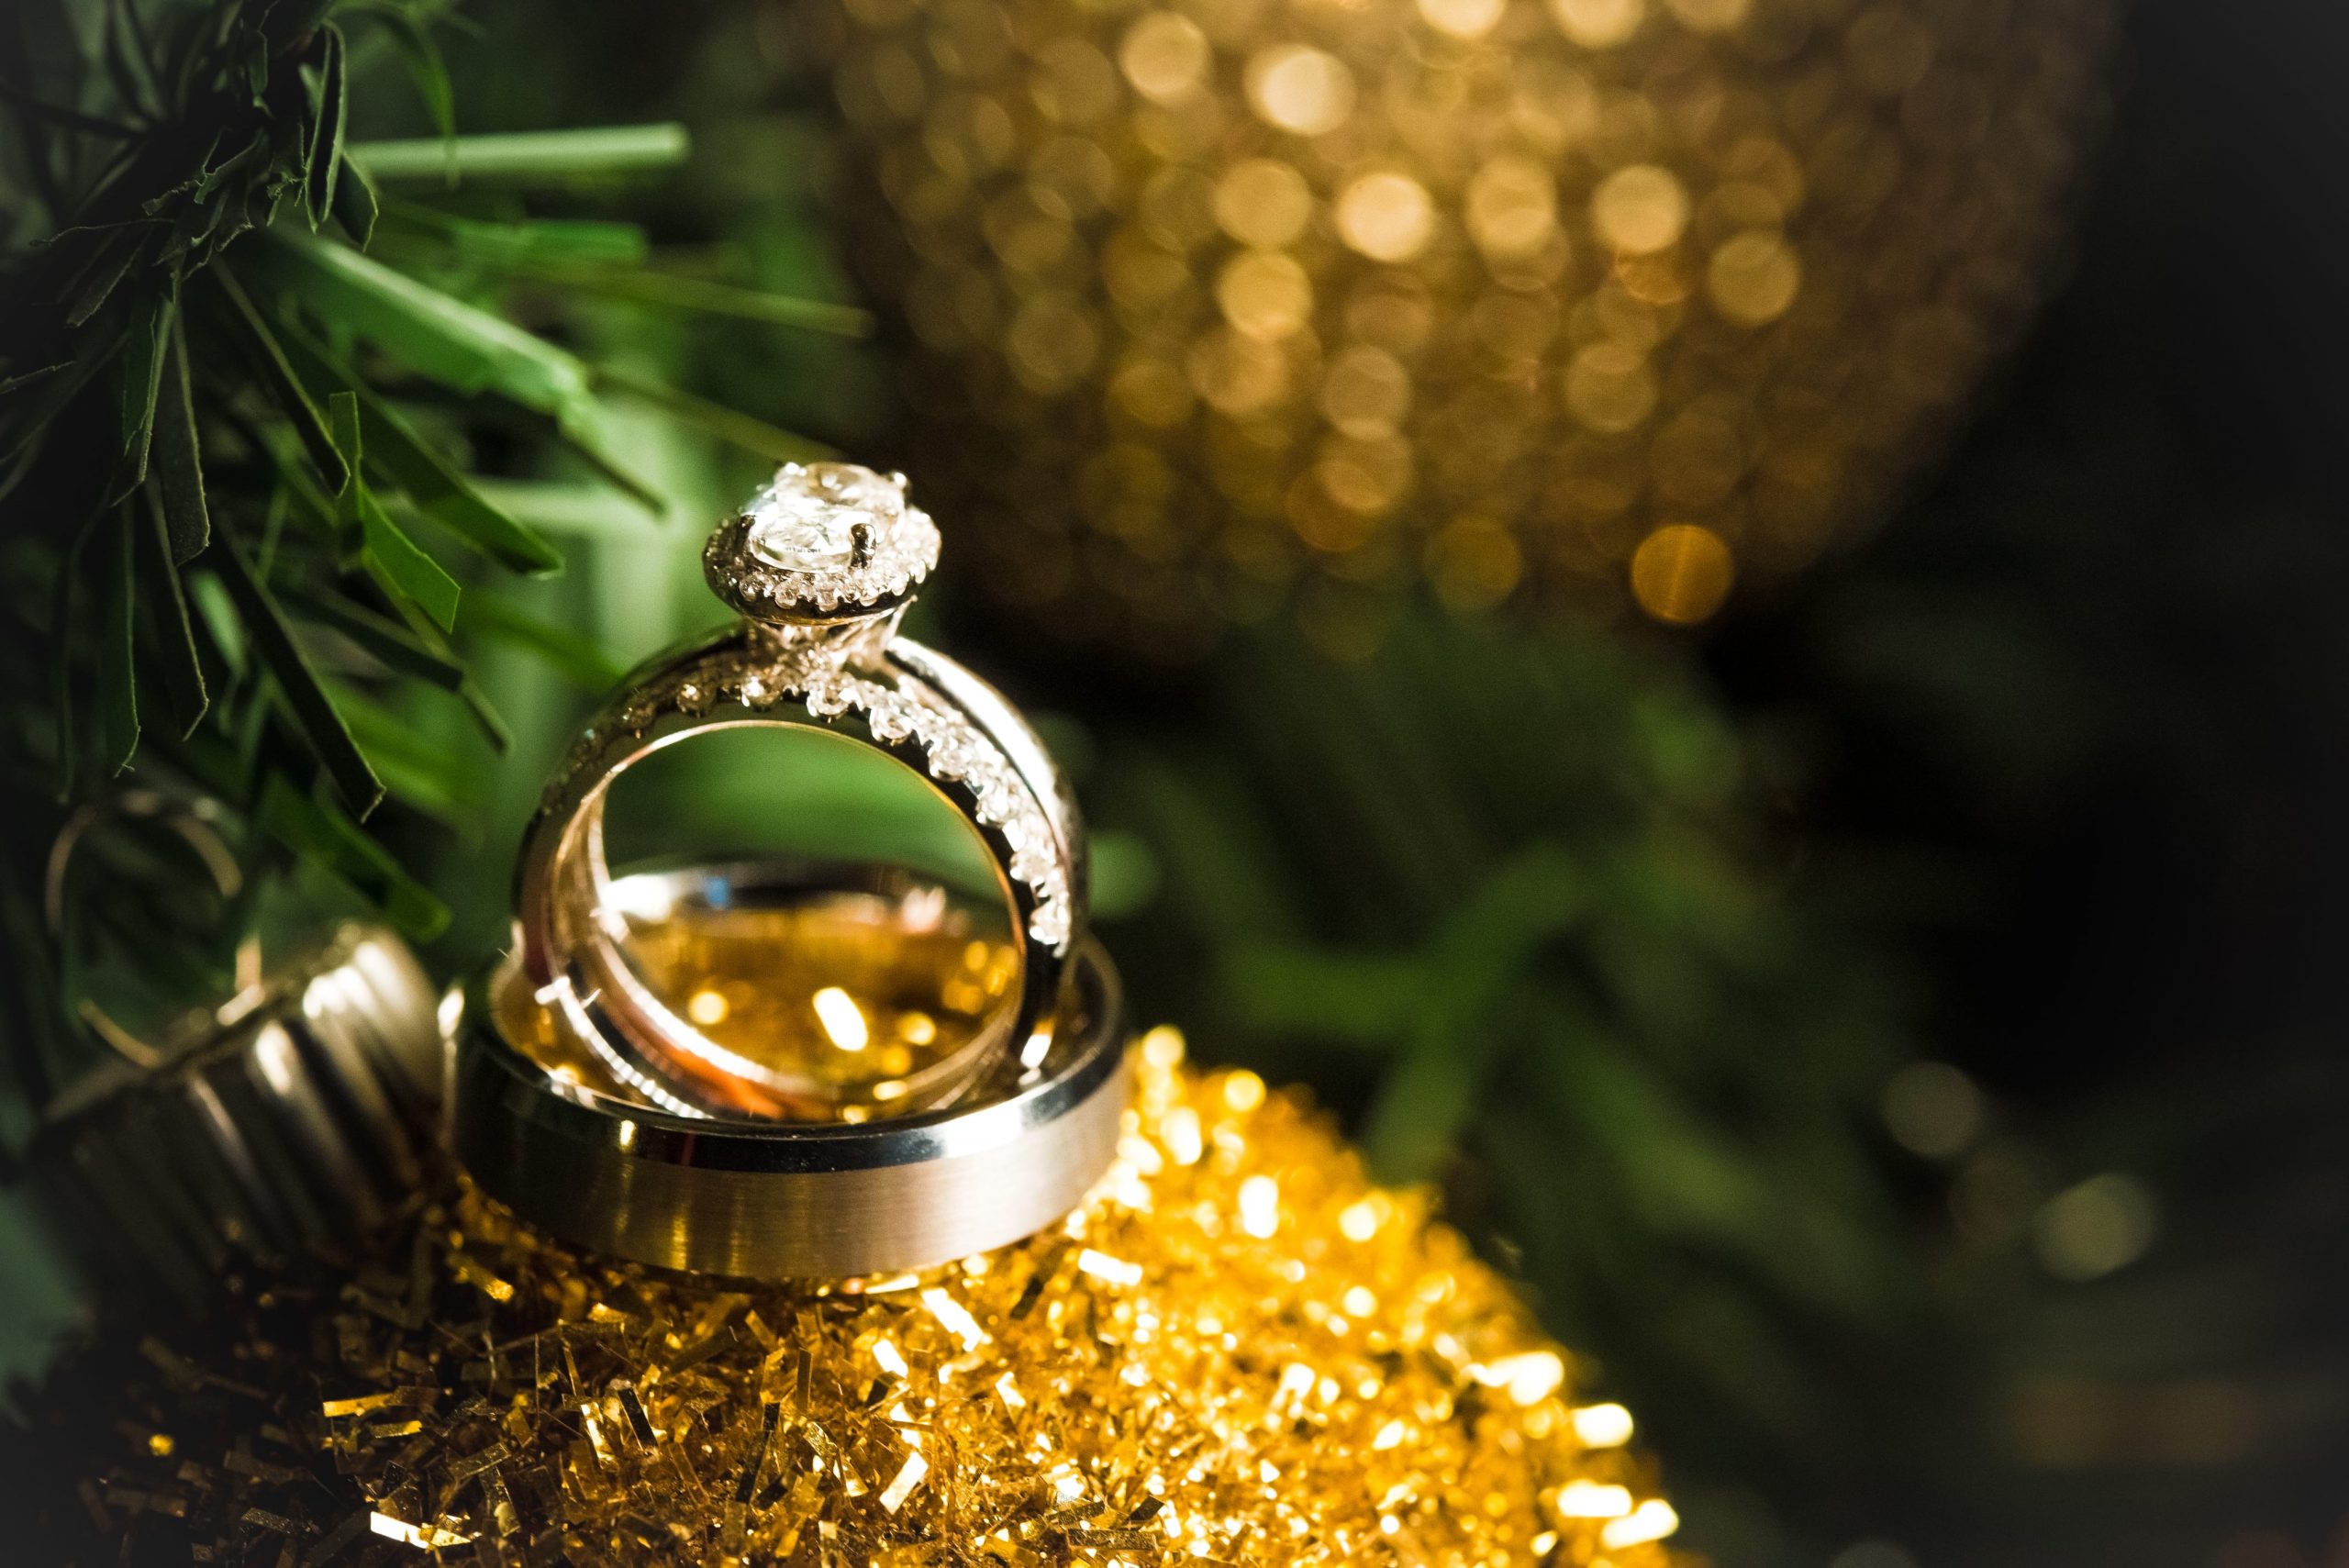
{"x": 823, "y": 542}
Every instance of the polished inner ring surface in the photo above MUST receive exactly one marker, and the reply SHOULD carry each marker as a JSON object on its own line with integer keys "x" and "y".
{"x": 599, "y": 920}
{"x": 864, "y": 973}
{"x": 766, "y": 1200}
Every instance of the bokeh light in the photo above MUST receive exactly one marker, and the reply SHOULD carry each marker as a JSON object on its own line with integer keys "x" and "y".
{"x": 2088, "y": 1230}
{"x": 1934, "y": 1109}
{"x": 1218, "y": 305}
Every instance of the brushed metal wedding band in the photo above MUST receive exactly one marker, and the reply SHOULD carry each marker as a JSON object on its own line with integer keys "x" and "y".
{"x": 768, "y": 1200}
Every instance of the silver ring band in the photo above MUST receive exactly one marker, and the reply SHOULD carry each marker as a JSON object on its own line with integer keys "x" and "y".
{"x": 766, "y": 1200}
{"x": 927, "y": 713}
{"x": 821, "y": 564}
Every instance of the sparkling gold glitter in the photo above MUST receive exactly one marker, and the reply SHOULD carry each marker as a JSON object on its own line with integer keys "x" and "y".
{"x": 1237, "y": 1353}
{"x": 1222, "y": 308}
{"x": 1602, "y": 1425}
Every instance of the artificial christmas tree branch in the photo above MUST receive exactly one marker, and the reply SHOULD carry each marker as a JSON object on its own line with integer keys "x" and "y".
{"x": 234, "y": 445}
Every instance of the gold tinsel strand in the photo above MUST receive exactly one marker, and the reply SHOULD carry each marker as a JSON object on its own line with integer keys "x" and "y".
{"x": 1220, "y": 304}
{"x": 1240, "y": 1351}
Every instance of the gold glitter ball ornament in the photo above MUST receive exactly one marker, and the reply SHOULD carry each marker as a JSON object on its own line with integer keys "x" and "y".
{"x": 1221, "y": 304}
{"x": 1237, "y": 1352}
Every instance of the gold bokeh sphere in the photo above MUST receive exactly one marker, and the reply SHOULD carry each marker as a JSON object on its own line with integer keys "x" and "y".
{"x": 1228, "y": 308}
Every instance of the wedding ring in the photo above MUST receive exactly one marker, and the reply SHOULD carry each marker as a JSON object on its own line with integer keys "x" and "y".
{"x": 544, "y": 1128}
{"x": 821, "y": 565}
{"x": 795, "y": 1067}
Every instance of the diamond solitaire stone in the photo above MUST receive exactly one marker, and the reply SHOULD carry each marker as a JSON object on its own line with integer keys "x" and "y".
{"x": 821, "y": 517}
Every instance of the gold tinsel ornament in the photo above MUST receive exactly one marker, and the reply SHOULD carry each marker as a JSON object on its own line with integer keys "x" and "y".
{"x": 1237, "y": 1352}
{"x": 1225, "y": 303}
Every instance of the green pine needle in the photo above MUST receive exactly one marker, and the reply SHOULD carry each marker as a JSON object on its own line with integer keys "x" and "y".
{"x": 233, "y": 447}
{"x": 531, "y": 157}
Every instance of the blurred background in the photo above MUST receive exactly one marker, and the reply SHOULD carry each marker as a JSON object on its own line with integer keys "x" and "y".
{"x": 1719, "y": 621}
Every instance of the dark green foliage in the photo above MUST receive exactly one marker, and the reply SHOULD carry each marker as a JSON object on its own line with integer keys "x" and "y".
{"x": 179, "y": 452}
{"x": 324, "y": 158}
{"x": 180, "y": 666}
{"x": 1492, "y": 890}
{"x": 297, "y": 683}
{"x": 232, "y": 446}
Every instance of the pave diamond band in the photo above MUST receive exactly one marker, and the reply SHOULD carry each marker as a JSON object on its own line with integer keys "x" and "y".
{"x": 822, "y": 563}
